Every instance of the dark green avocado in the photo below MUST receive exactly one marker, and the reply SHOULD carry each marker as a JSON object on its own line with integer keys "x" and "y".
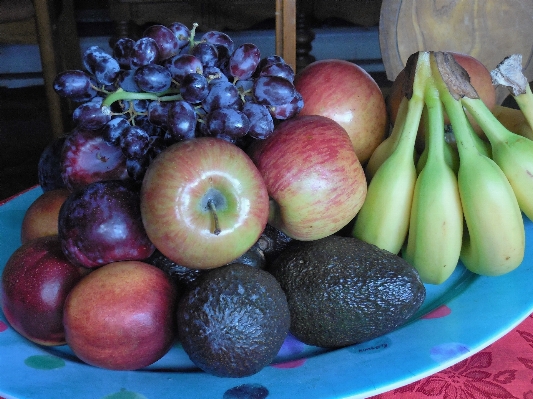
{"x": 343, "y": 291}
{"x": 233, "y": 321}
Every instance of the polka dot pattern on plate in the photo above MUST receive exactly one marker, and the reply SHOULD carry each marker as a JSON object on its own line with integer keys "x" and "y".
{"x": 44, "y": 362}
{"x": 451, "y": 350}
{"x": 246, "y": 391}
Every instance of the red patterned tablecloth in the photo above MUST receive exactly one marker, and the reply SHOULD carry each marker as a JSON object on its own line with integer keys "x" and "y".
{"x": 502, "y": 370}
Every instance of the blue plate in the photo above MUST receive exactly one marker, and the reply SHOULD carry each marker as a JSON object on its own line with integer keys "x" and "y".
{"x": 458, "y": 318}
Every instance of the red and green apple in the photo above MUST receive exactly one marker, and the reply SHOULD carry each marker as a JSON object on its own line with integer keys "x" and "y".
{"x": 203, "y": 202}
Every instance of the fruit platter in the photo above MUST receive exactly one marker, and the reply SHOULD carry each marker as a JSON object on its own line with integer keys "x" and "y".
{"x": 212, "y": 227}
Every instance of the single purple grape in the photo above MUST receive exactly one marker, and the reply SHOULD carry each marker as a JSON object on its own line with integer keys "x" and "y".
{"x": 214, "y": 74}
{"x": 278, "y": 69}
{"x": 207, "y": 53}
{"x": 288, "y": 110}
{"x": 135, "y": 142}
{"x": 261, "y": 121}
{"x": 140, "y": 106}
{"x": 145, "y": 51}
{"x": 167, "y": 43}
{"x": 182, "y": 65}
{"x": 75, "y": 85}
{"x": 126, "y": 81}
{"x": 113, "y": 130}
{"x": 122, "y": 51}
{"x": 271, "y": 59}
{"x": 244, "y": 60}
{"x": 143, "y": 121}
{"x": 158, "y": 112}
{"x": 90, "y": 116}
{"x": 181, "y": 32}
{"x": 245, "y": 88}
{"x": 222, "y": 95}
{"x": 137, "y": 168}
{"x": 194, "y": 88}
{"x": 228, "y": 124}
{"x": 273, "y": 90}
{"x": 101, "y": 64}
{"x": 153, "y": 78}
{"x": 222, "y": 41}
{"x": 181, "y": 122}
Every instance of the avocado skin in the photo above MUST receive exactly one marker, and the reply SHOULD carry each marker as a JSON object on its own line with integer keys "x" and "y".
{"x": 342, "y": 291}
{"x": 233, "y": 321}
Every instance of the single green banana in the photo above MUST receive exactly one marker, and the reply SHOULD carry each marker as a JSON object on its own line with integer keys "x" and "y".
{"x": 513, "y": 153}
{"x": 387, "y": 146}
{"x": 384, "y": 217}
{"x": 436, "y": 224}
{"x": 494, "y": 240}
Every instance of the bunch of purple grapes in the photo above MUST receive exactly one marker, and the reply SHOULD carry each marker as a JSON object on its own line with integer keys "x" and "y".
{"x": 167, "y": 87}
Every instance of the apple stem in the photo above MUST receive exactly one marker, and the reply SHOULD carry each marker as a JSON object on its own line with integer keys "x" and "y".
{"x": 213, "y": 209}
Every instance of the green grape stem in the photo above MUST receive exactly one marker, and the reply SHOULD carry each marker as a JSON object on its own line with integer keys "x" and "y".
{"x": 120, "y": 94}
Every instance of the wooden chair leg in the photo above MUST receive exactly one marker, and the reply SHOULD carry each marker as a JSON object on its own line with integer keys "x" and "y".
{"x": 286, "y": 31}
{"x": 49, "y": 64}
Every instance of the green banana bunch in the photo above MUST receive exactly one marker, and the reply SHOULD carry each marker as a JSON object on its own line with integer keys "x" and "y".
{"x": 384, "y": 217}
{"x": 436, "y": 223}
{"x": 494, "y": 240}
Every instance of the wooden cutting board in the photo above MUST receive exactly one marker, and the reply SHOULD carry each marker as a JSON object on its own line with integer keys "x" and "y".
{"x": 488, "y": 30}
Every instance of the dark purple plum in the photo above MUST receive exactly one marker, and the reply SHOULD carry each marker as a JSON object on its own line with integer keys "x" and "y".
{"x": 87, "y": 157}
{"x": 35, "y": 283}
{"x": 49, "y": 166}
{"x": 101, "y": 223}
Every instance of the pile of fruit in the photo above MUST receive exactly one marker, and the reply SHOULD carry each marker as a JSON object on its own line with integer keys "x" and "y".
{"x": 211, "y": 195}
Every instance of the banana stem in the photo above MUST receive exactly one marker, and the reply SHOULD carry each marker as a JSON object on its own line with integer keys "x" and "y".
{"x": 525, "y": 103}
{"x": 422, "y": 72}
{"x": 491, "y": 126}
{"x": 509, "y": 73}
{"x": 435, "y": 123}
{"x": 453, "y": 84}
